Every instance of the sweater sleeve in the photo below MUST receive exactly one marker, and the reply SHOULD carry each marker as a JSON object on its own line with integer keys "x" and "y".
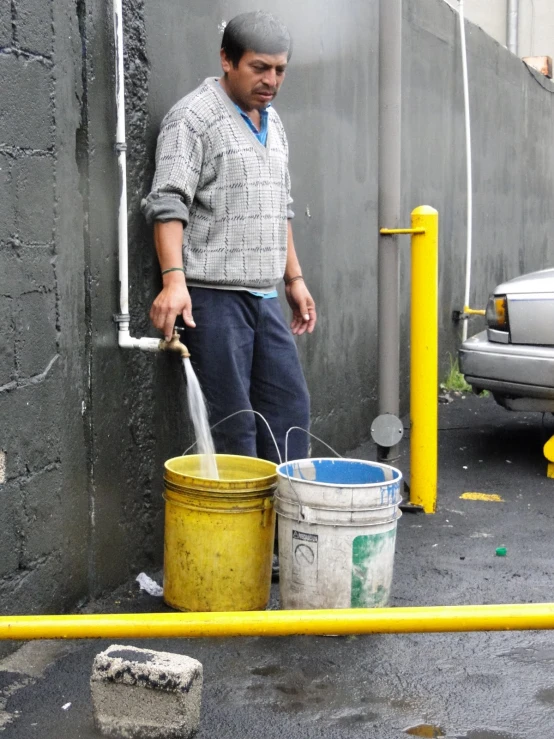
{"x": 290, "y": 200}
{"x": 290, "y": 212}
{"x": 178, "y": 167}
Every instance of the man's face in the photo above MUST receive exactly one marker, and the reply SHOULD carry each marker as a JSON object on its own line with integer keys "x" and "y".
{"x": 256, "y": 80}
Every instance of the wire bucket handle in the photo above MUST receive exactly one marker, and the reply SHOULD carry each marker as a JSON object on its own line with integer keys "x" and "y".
{"x": 301, "y": 508}
{"x": 236, "y": 413}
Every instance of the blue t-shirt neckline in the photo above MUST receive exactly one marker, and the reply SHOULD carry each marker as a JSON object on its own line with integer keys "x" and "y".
{"x": 261, "y": 135}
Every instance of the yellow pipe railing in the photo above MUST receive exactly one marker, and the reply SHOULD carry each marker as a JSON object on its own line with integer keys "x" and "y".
{"x": 281, "y": 623}
{"x": 400, "y": 231}
{"x": 474, "y": 311}
{"x": 424, "y": 381}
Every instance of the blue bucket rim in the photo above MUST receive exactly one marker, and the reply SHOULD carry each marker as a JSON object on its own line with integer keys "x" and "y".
{"x": 284, "y": 476}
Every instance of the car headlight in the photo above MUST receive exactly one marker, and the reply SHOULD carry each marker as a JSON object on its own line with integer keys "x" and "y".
{"x": 497, "y": 313}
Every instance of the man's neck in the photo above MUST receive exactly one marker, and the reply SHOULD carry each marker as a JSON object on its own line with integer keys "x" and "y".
{"x": 253, "y": 113}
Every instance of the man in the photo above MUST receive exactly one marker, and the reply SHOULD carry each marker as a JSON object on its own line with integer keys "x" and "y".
{"x": 220, "y": 204}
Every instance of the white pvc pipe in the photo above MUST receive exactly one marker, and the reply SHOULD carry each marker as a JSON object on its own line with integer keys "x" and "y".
{"x": 125, "y": 340}
{"x": 468, "y": 165}
{"x": 121, "y": 159}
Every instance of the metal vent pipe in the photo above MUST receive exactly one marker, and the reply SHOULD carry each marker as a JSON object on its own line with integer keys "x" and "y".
{"x": 512, "y": 26}
{"x": 390, "y": 136}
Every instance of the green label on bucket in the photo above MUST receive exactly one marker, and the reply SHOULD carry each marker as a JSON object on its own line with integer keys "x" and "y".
{"x": 371, "y": 569}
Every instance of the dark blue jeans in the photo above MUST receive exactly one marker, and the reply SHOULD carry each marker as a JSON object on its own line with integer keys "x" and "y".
{"x": 245, "y": 357}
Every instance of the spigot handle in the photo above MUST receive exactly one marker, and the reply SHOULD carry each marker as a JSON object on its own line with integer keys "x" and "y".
{"x": 175, "y": 345}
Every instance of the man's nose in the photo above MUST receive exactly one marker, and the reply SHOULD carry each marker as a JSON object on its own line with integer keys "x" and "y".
{"x": 270, "y": 78}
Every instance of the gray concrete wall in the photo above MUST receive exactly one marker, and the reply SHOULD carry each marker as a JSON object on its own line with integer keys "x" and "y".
{"x": 536, "y": 28}
{"x": 85, "y": 427}
{"x": 490, "y": 16}
{"x": 512, "y": 122}
{"x": 328, "y": 104}
{"x": 535, "y": 23}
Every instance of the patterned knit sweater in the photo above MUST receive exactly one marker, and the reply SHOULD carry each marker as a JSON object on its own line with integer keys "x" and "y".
{"x": 231, "y": 192}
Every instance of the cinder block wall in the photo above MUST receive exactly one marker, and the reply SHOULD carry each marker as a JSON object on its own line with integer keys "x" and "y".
{"x": 44, "y": 502}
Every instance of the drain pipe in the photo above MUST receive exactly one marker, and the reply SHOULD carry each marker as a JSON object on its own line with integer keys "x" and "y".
{"x": 512, "y": 26}
{"x": 125, "y": 340}
{"x": 390, "y": 136}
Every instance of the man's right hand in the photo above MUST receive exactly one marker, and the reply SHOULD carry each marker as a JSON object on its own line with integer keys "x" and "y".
{"x": 174, "y": 300}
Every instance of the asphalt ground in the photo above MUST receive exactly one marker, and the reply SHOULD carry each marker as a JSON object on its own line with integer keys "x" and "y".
{"x": 497, "y": 685}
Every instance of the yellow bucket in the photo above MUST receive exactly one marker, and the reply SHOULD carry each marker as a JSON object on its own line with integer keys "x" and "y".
{"x": 218, "y": 543}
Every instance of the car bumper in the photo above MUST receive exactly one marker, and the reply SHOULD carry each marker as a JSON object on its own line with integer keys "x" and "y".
{"x": 513, "y": 370}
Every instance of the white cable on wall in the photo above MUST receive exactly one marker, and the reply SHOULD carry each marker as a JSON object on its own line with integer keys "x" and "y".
{"x": 468, "y": 165}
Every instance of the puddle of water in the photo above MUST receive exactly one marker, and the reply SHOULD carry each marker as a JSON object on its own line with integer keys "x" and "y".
{"x": 351, "y": 718}
{"x": 400, "y": 703}
{"x": 430, "y": 731}
{"x": 266, "y": 670}
{"x": 530, "y": 655}
{"x": 546, "y": 696}
{"x": 287, "y": 689}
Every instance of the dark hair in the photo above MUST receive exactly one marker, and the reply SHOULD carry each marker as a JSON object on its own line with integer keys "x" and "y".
{"x": 255, "y": 31}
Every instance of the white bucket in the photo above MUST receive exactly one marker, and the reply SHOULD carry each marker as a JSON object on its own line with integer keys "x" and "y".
{"x": 337, "y": 532}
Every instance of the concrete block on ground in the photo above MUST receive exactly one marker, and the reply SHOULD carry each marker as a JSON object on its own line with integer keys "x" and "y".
{"x": 139, "y": 693}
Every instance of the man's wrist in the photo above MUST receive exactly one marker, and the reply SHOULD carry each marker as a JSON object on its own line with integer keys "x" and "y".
{"x": 173, "y": 278}
{"x": 294, "y": 278}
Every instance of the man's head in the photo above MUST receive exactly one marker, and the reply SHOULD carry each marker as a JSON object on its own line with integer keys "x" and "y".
{"x": 255, "y": 50}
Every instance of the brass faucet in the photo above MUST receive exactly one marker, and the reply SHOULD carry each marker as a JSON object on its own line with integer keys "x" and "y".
{"x": 174, "y": 345}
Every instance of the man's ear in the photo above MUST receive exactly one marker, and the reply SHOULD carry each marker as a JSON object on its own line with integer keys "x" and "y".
{"x": 225, "y": 63}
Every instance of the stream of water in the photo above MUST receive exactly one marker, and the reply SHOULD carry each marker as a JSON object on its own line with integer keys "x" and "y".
{"x": 199, "y": 416}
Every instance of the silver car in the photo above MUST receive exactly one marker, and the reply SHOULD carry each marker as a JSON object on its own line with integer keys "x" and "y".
{"x": 514, "y": 356}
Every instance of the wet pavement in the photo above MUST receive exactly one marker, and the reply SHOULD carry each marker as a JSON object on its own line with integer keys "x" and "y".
{"x": 470, "y": 686}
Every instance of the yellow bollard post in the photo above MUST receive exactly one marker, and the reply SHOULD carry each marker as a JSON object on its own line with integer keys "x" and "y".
{"x": 548, "y": 451}
{"x": 424, "y": 359}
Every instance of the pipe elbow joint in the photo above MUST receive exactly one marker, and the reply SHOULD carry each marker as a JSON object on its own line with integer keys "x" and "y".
{"x": 126, "y": 341}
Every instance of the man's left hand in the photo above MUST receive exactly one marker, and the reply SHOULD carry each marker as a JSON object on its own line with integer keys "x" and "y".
{"x": 304, "y": 315}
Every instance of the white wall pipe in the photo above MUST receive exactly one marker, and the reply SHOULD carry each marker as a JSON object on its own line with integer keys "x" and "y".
{"x": 125, "y": 340}
{"x": 512, "y": 26}
{"x": 469, "y": 244}
{"x": 121, "y": 148}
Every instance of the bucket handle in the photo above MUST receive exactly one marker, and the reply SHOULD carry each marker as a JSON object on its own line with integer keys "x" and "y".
{"x": 236, "y": 413}
{"x": 301, "y": 511}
